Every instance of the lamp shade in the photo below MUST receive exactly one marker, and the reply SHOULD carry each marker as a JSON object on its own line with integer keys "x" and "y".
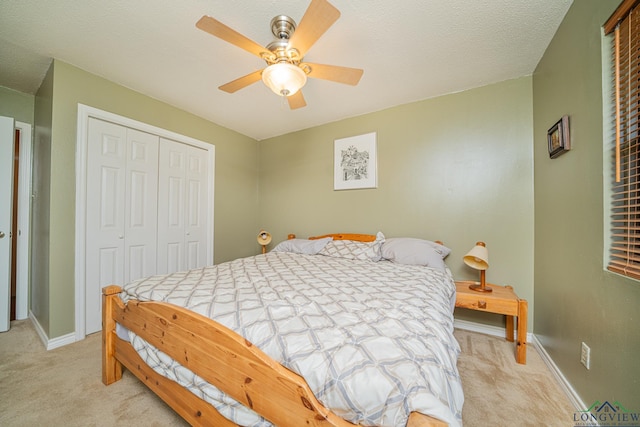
{"x": 284, "y": 79}
{"x": 478, "y": 257}
{"x": 264, "y": 238}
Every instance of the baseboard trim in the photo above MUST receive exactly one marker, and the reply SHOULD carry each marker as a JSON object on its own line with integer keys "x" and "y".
{"x": 50, "y": 344}
{"x": 566, "y": 386}
{"x": 495, "y": 331}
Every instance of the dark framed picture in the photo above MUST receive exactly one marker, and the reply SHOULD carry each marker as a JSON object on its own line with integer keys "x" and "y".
{"x": 558, "y": 138}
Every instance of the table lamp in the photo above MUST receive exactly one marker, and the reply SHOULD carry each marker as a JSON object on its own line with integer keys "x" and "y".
{"x": 264, "y": 238}
{"x": 478, "y": 258}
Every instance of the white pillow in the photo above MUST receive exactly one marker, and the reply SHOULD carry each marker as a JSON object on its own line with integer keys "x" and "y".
{"x": 302, "y": 246}
{"x": 408, "y": 250}
{"x": 351, "y": 249}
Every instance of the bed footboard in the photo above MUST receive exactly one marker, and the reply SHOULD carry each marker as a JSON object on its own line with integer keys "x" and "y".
{"x": 221, "y": 357}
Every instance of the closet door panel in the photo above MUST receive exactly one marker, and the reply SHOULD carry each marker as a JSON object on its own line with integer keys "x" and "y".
{"x": 141, "y": 205}
{"x": 182, "y": 207}
{"x": 173, "y": 257}
{"x": 110, "y": 258}
{"x": 196, "y": 205}
{"x": 171, "y": 206}
{"x": 106, "y": 163}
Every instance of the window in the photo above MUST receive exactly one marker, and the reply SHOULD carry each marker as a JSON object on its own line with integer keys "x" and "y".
{"x": 624, "y": 28}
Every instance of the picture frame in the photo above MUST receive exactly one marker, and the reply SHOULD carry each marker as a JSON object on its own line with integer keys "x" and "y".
{"x": 558, "y": 138}
{"x": 355, "y": 162}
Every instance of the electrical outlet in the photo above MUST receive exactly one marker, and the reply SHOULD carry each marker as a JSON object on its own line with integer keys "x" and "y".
{"x": 585, "y": 356}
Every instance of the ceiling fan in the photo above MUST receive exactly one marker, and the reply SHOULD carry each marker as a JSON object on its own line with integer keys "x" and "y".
{"x": 285, "y": 73}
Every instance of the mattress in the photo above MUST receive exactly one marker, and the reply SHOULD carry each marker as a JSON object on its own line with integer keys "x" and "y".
{"x": 374, "y": 340}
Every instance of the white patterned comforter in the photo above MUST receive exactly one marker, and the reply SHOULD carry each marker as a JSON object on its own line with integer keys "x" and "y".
{"x": 374, "y": 340}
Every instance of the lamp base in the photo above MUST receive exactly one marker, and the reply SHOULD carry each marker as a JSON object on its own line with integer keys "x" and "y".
{"x": 479, "y": 288}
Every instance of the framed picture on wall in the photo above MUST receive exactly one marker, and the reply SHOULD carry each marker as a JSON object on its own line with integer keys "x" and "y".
{"x": 355, "y": 162}
{"x": 558, "y": 138}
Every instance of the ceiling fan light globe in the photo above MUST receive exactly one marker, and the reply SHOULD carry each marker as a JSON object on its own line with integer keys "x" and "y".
{"x": 284, "y": 79}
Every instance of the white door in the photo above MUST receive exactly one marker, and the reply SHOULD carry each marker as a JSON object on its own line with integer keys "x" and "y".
{"x": 106, "y": 170}
{"x": 7, "y": 132}
{"x": 171, "y": 201}
{"x": 121, "y": 211}
{"x": 182, "y": 207}
{"x": 196, "y": 204}
{"x": 141, "y": 205}
{"x": 121, "y": 180}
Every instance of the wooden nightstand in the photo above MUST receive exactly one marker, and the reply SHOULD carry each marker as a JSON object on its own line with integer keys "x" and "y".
{"x": 501, "y": 301}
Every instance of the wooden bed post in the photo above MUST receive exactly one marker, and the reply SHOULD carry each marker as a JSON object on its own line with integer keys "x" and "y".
{"x": 111, "y": 368}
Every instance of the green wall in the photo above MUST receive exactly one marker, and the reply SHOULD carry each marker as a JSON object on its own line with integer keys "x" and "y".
{"x": 17, "y": 105}
{"x": 40, "y": 204}
{"x": 236, "y": 199}
{"x": 576, "y": 298}
{"x": 457, "y": 168}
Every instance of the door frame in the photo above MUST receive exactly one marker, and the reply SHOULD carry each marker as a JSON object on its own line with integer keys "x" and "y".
{"x": 7, "y": 148}
{"x": 23, "y": 250}
{"x": 84, "y": 113}
{"x": 22, "y": 197}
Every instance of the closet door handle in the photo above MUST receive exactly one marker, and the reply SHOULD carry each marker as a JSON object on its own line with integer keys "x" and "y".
{"x": 1, "y": 234}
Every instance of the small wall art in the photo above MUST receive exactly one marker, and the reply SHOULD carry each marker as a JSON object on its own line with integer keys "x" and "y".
{"x": 558, "y": 138}
{"x": 355, "y": 162}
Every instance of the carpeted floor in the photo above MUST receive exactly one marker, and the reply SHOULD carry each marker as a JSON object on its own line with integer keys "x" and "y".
{"x": 500, "y": 392}
{"x": 63, "y": 387}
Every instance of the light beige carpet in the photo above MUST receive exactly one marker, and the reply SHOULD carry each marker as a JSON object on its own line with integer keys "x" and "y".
{"x": 500, "y": 392}
{"x": 63, "y": 387}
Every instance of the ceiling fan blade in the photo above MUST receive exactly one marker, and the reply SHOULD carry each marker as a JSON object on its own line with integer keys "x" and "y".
{"x": 218, "y": 29}
{"x": 241, "y": 82}
{"x": 320, "y": 15}
{"x": 346, "y": 75}
{"x": 296, "y": 100}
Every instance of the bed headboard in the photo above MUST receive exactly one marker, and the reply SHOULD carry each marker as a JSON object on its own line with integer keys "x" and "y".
{"x": 349, "y": 236}
{"x": 342, "y": 236}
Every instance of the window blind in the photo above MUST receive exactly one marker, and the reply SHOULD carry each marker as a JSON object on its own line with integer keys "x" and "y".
{"x": 625, "y": 203}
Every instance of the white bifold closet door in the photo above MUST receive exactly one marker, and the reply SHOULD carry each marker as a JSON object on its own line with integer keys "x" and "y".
{"x": 182, "y": 197}
{"x": 147, "y": 203}
{"x": 122, "y": 205}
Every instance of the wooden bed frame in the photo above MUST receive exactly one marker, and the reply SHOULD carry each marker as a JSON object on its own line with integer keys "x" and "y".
{"x": 220, "y": 356}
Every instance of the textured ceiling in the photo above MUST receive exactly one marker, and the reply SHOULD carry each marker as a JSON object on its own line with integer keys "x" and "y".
{"x": 409, "y": 50}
